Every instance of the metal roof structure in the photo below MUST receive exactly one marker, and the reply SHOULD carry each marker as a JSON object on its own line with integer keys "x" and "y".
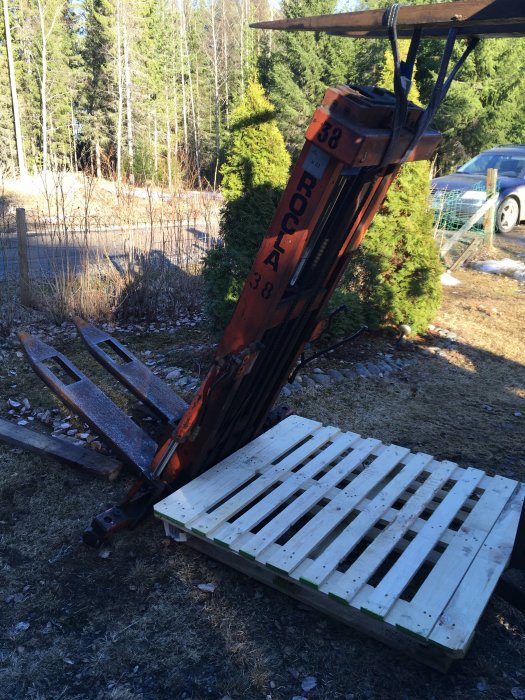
{"x": 478, "y": 18}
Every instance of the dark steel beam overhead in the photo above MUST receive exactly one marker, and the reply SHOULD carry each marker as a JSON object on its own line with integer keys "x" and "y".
{"x": 483, "y": 18}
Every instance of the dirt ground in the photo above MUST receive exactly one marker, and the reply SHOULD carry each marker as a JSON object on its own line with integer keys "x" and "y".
{"x": 133, "y": 625}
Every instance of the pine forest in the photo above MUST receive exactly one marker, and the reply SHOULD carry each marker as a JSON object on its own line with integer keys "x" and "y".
{"x": 144, "y": 91}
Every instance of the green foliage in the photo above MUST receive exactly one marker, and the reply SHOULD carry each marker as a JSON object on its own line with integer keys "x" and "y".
{"x": 181, "y": 116}
{"x": 7, "y": 140}
{"x": 302, "y": 66}
{"x": 58, "y": 83}
{"x": 255, "y": 151}
{"x": 399, "y": 268}
{"x": 254, "y": 173}
{"x": 97, "y": 98}
{"x": 484, "y": 107}
{"x": 395, "y": 276}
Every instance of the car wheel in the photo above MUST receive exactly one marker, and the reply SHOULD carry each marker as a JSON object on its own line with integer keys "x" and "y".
{"x": 507, "y": 215}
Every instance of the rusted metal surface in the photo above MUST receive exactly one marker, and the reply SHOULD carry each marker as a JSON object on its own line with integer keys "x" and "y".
{"x": 61, "y": 450}
{"x": 137, "y": 505}
{"x": 77, "y": 392}
{"x": 484, "y": 18}
{"x": 132, "y": 373}
{"x": 338, "y": 184}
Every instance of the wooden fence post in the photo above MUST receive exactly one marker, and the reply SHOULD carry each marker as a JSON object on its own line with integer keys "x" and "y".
{"x": 23, "y": 261}
{"x": 488, "y": 222}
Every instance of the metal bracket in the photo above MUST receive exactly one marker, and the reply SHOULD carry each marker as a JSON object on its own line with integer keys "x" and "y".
{"x": 131, "y": 372}
{"x": 77, "y": 392}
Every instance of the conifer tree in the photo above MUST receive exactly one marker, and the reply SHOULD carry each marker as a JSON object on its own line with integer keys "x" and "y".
{"x": 395, "y": 276}
{"x": 8, "y": 158}
{"x": 254, "y": 173}
{"x": 97, "y": 98}
{"x": 302, "y": 66}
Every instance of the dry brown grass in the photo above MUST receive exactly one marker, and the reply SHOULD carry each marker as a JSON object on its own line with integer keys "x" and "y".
{"x": 103, "y": 251}
{"x": 457, "y": 402}
{"x": 135, "y": 626}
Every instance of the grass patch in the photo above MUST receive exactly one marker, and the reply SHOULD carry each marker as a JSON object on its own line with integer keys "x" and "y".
{"x": 134, "y": 626}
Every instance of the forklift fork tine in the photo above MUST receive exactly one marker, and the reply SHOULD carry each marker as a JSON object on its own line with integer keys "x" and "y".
{"x": 78, "y": 393}
{"x": 131, "y": 372}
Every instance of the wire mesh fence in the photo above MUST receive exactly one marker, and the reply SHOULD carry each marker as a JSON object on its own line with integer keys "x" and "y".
{"x": 67, "y": 245}
{"x": 464, "y": 217}
{"x": 128, "y": 262}
{"x": 455, "y": 207}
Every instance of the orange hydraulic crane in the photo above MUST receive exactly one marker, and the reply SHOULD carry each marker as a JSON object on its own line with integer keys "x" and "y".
{"x": 355, "y": 144}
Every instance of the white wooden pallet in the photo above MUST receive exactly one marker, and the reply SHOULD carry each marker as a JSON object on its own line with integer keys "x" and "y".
{"x": 391, "y": 542}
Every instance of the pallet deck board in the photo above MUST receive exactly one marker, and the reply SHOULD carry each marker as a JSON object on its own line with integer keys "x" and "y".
{"x": 284, "y": 490}
{"x": 198, "y": 495}
{"x": 207, "y": 522}
{"x": 375, "y": 535}
{"x": 344, "y": 588}
{"x": 453, "y": 564}
{"x": 307, "y": 499}
{"x": 325, "y": 522}
{"x": 350, "y": 537}
{"x": 457, "y": 621}
{"x": 410, "y": 561}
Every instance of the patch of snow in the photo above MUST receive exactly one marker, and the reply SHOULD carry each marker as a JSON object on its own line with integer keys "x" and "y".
{"x": 447, "y": 280}
{"x": 507, "y": 266}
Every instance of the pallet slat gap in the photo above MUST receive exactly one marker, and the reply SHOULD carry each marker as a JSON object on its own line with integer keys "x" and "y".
{"x": 397, "y": 544}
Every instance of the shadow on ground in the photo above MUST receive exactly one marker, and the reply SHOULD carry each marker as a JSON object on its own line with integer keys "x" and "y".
{"x": 135, "y": 626}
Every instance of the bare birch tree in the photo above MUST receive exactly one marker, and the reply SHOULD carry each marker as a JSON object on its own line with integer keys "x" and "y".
{"x": 129, "y": 110}
{"x": 120, "y": 92}
{"x": 216, "y": 96}
{"x": 14, "y": 94}
{"x": 44, "y": 9}
{"x": 192, "y": 95}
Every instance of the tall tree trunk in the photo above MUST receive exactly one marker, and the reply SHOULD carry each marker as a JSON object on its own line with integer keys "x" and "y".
{"x": 176, "y": 117}
{"x": 43, "y": 85}
{"x": 168, "y": 142}
{"x": 192, "y": 97}
{"x": 182, "y": 30}
{"x": 98, "y": 160}
{"x": 216, "y": 94}
{"x": 226, "y": 72}
{"x": 270, "y": 34}
{"x": 196, "y": 105}
{"x": 243, "y": 19}
{"x": 155, "y": 145}
{"x": 248, "y": 41}
{"x": 74, "y": 137}
{"x": 14, "y": 95}
{"x": 120, "y": 95}
{"x": 175, "y": 91}
{"x": 129, "y": 110}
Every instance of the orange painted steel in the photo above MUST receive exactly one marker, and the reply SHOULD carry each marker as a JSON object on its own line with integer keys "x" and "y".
{"x": 338, "y": 184}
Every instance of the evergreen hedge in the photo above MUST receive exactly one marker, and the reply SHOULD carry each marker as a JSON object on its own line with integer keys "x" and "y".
{"x": 394, "y": 278}
{"x": 253, "y": 176}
